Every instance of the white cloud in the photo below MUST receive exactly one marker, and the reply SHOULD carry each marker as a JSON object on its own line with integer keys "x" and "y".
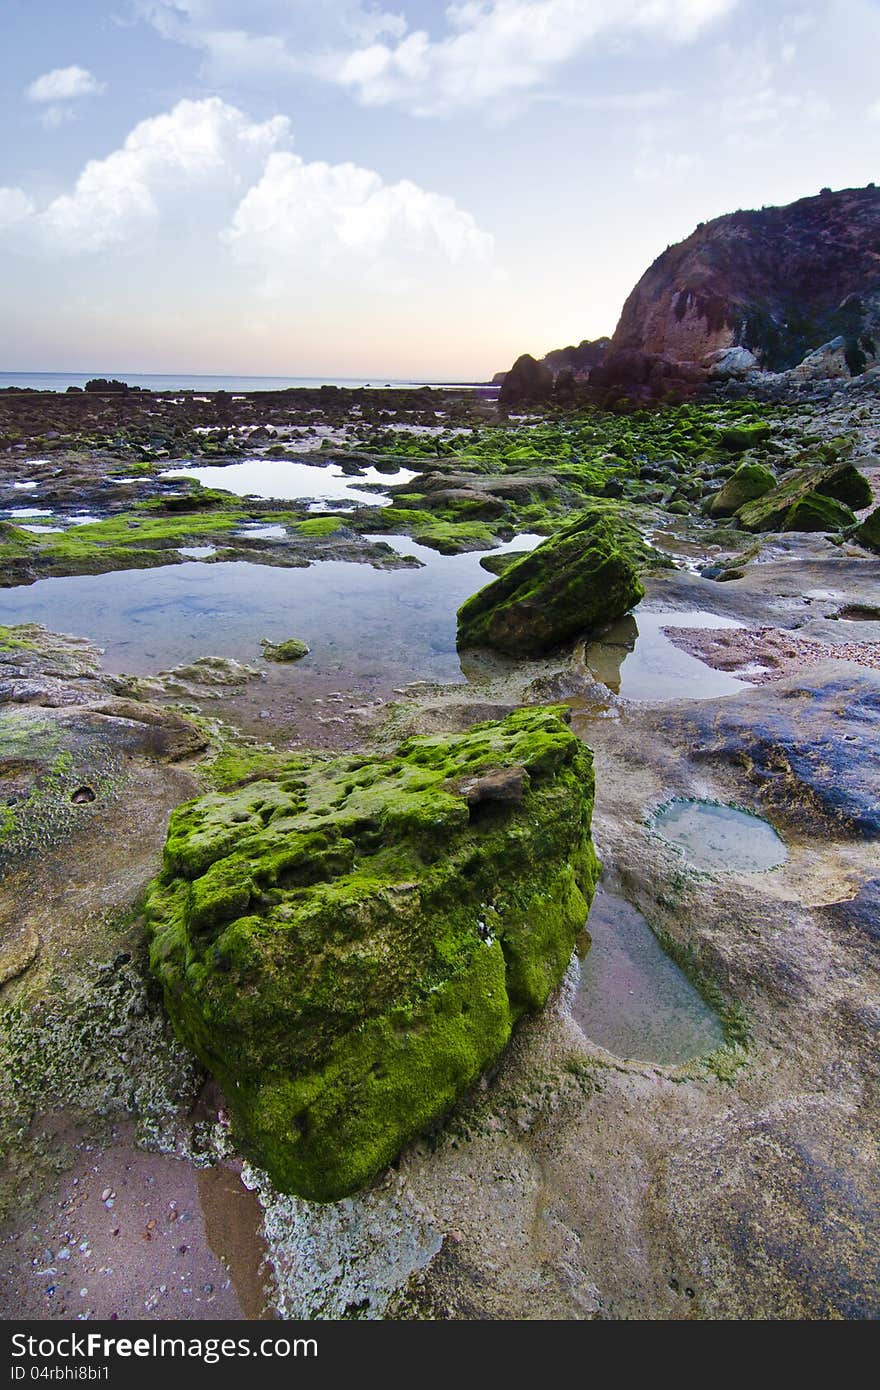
{"x": 207, "y": 174}
{"x": 490, "y": 49}
{"x": 64, "y": 84}
{"x": 501, "y": 46}
{"x": 344, "y": 221}
{"x": 15, "y": 206}
{"x": 167, "y": 164}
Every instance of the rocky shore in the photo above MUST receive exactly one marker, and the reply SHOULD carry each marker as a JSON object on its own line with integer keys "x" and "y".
{"x": 565, "y": 1180}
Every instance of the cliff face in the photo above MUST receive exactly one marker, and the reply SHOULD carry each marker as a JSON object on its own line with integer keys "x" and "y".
{"x": 779, "y": 282}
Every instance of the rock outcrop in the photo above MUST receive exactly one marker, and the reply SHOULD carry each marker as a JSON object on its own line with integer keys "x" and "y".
{"x": 779, "y": 282}
{"x": 527, "y": 382}
{"x": 347, "y": 943}
{"x": 577, "y": 581}
{"x": 784, "y": 292}
{"x": 557, "y": 373}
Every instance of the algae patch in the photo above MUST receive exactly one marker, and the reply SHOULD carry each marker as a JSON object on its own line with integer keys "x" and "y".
{"x": 347, "y": 943}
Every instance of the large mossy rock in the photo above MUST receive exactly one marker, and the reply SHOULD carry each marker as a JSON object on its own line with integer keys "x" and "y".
{"x": 816, "y": 512}
{"x": 750, "y": 480}
{"x": 347, "y": 944}
{"x": 575, "y": 582}
{"x": 737, "y": 438}
{"x": 838, "y": 481}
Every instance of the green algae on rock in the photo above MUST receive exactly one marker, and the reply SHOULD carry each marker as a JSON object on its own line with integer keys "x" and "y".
{"x": 347, "y": 943}
{"x": 575, "y": 582}
{"x": 816, "y": 512}
{"x": 839, "y": 481}
{"x": 868, "y": 533}
{"x": 750, "y": 480}
{"x": 292, "y": 649}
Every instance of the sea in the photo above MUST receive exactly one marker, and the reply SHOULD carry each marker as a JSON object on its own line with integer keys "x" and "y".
{"x": 189, "y": 381}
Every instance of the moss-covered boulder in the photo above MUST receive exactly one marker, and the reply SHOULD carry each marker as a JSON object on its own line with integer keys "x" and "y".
{"x": 771, "y": 512}
{"x": 347, "y": 943}
{"x": 847, "y": 485}
{"x": 292, "y": 649}
{"x": 868, "y": 533}
{"x": 815, "y": 512}
{"x": 737, "y": 438}
{"x": 575, "y": 582}
{"x": 750, "y": 480}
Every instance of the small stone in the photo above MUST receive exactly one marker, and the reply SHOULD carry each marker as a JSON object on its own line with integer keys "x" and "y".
{"x": 292, "y": 649}
{"x": 106, "y": 1194}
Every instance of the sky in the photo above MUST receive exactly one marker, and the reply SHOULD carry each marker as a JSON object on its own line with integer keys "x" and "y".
{"x": 406, "y": 188}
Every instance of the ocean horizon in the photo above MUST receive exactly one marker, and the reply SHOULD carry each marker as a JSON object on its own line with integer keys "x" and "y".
{"x": 194, "y": 381}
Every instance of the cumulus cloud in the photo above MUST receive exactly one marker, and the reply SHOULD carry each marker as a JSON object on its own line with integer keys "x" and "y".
{"x": 489, "y": 49}
{"x": 64, "y": 84}
{"x": 167, "y": 164}
{"x": 206, "y": 170}
{"x": 344, "y": 220}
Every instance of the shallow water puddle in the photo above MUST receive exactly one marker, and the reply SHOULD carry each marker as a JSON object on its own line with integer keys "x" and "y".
{"x": 631, "y": 998}
{"x": 285, "y": 480}
{"x": 233, "y": 1221}
{"x": 258, "y": 532}
{"x": 635, "y": 659}
{"x": 361, "y": 623}
{"x": 720, "y": 838}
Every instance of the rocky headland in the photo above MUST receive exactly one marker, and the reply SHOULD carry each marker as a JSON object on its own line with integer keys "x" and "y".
{"x": 777, "y": 303}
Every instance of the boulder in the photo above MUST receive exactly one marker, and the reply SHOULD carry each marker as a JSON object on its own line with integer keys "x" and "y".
{"x": 846, "y": 484}
{"x": 527, "y": 381}
{"x": 731, "y": 364}
{"x": 292, "y": 649}
{"x": 825, "y": 363}
{"x": 737, "y": 438}
{"x": 347, "y": 943}
{"x": 750, "y": 480}
{"x": 771, "y": 511}
{"x": 814, "y": 512}
{"x": 868, "y": 533}
{"x": 575, "y": 582}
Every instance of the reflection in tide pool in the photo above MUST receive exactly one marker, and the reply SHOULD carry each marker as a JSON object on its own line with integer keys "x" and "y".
{"x": 631, "y": 998}
{"x": 360, "y": 623}
{"x": 286, "y": 480}
{"x": 635, "y": 659}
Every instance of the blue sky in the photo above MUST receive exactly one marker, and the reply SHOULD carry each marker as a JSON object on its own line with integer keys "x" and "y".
{"x": 343, "y": 187}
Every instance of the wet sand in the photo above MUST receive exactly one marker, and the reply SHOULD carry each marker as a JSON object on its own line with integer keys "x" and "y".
{"x": 132, "y": 1235}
